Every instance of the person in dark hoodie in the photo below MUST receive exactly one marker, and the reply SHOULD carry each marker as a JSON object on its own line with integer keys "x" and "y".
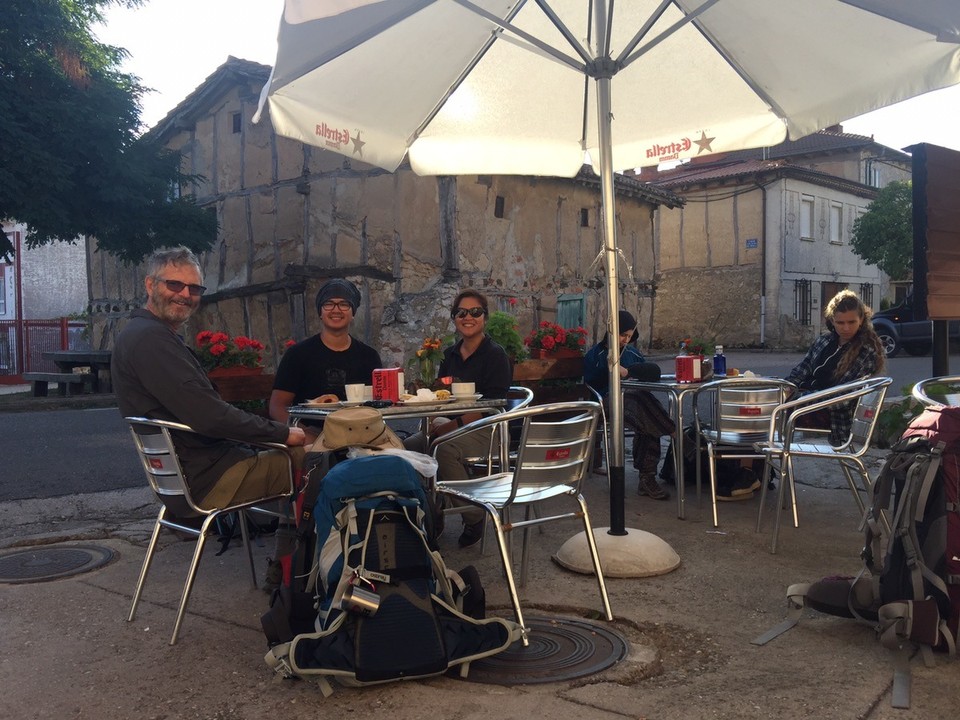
{"x": 642, "y": 412}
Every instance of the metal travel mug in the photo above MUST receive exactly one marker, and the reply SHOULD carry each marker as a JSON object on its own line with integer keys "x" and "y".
{"x": 358, "y": 600}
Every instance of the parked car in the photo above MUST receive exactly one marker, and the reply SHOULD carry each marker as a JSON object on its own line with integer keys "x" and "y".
{"x": 899, "y": 327}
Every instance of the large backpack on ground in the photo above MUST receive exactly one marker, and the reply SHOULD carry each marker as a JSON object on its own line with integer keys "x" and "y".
{"x": 387, "y": 606}
{"x": 909, "y": 587}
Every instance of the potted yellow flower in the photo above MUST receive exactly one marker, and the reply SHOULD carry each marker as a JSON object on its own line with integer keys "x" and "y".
{"x": 426, "y": 361}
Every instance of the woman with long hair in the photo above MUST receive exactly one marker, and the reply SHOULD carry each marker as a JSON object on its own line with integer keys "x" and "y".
{"x": 849, "y": 351}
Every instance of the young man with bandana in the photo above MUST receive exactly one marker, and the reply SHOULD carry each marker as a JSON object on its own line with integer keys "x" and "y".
{"x": 319, "y": 367}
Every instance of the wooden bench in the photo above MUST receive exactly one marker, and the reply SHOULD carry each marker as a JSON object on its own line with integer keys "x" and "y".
{"x": 66, "y": 382}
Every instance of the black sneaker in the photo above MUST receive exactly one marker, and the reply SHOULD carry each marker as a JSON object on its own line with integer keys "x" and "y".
{"x": 724, "y": 495}
{"x": 471, "y": 535}
{"x": 741, "y": 489}
{"x": 746, "y": 482}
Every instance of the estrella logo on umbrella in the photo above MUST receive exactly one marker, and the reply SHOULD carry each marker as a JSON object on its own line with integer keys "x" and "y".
{"x": 673, "y": 150}
{"x": 334, "y": 137}
{"x": 670, "y": 151}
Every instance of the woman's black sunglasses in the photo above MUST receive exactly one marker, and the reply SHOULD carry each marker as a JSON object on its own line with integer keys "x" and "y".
{"x": 461, "y": 313}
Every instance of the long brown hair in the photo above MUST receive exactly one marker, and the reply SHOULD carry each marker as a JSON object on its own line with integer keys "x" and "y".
{"x": 845, "y": 301}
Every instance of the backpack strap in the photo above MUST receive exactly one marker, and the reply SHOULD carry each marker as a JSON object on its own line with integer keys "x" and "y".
{"x": 903, "y": 624}
{"x": 917, "y": 492}
{"x": 795, "y": 595}
{"x": 881, "y": 493}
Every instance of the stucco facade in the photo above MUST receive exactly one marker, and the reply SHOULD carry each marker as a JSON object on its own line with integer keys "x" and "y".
{"x": 763, "y": 240}
{"x": 52, "y": 280}
{"x": 292, "y": 216}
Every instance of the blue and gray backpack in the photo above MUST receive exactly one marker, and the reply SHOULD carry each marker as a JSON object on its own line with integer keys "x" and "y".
{"x": 387, "y": 606}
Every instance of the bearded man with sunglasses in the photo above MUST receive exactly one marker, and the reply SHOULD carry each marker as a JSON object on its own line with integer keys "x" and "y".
{"x": 478, "y": 359}
{"x": 155, "y": 375}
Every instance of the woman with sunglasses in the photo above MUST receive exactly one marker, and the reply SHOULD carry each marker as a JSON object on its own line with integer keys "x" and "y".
{"x": 478, "y": 359}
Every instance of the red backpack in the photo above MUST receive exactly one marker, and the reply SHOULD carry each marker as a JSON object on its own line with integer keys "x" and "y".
{"x": 909, "y": 588}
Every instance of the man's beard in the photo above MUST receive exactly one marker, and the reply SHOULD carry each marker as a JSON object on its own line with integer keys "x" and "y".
{"x": 171, "y": 310}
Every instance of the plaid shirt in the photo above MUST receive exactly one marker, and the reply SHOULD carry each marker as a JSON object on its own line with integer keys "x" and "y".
{"x": 864, "y": 365}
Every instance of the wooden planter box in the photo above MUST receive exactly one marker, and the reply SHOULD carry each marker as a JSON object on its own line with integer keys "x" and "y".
{"x": 545, "y": 378}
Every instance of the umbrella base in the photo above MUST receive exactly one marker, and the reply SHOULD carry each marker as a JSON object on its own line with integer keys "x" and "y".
{"x": 636, "y": 554}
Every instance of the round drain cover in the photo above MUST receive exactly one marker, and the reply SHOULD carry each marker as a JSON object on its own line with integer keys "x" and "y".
{"x": 560, "y": 649}
{"x": 40, "y": 564}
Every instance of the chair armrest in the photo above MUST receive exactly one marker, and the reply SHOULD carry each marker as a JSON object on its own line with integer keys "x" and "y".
{"x": 180, "y": 427}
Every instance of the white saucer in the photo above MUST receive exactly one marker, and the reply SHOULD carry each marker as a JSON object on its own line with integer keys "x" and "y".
{"x": 474, "y": 396}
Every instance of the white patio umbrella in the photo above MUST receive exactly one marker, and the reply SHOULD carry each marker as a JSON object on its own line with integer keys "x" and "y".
{"x": 499, "y": 87}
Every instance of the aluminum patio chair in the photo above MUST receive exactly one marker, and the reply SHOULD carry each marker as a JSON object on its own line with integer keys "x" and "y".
{"x": 517, "y": 397}
{"x": 787, "y": 440}
{"x": 943, "y": 390}
{"x": 166, "y": 478}
{"x": 732, "y": 414}
{"x": 553, "y": 457}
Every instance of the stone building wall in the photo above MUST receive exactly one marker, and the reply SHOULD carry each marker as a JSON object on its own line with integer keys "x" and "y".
{"x": 721, "y": 304}
{"x": 292, "y": 216}
{"x": 709, "y": 276}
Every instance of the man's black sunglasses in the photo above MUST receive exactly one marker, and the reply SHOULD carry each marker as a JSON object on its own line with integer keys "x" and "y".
{"x": 176, "y": 287}
{"x": 461, "y": 313}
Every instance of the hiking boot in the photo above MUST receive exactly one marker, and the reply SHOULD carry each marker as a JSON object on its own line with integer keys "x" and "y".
{"x": 471, "y": 535}
{"x": 651, "y": 488}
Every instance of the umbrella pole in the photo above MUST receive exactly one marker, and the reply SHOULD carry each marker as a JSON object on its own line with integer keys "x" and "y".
{"x": 615, "y": 462}
{"x": 623, "y": 553}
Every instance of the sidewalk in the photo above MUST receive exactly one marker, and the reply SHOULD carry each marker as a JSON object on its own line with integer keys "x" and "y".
{"x": 71, "y": 653}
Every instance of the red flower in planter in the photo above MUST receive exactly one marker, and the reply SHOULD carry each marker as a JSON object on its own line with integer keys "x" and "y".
{"x": 219, "y": 350}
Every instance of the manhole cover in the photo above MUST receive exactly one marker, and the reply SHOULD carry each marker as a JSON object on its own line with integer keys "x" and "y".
{"x": 560, "y": 649}
{"x": 52, "y": 563}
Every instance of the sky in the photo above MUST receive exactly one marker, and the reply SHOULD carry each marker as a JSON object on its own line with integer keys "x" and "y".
{"x": 175, "y": 44}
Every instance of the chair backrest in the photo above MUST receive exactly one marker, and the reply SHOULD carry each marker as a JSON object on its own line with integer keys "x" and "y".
{"x": 739, "y": 409}
{"x": 864, "y": 397}
{"x": 158, "y": 456}
{"x": 867, "y": 412}
{"x": 556, "y": 445}
{"x": 518, "y": 397}
{"x": 943, "y": 390}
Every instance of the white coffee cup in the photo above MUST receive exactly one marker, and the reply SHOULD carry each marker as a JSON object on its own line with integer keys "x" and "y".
{"x": 367, "y": 392}
{"x": 463, "y": 388}
{"x": 355, "y": 392}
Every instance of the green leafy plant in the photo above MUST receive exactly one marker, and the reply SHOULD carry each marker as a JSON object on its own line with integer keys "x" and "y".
{"x": 894, "y": 418}
{"x": 502, "y": 327}
{"x": 699, "y": 346}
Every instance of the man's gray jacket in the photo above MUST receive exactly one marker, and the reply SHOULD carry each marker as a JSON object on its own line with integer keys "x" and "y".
{"x": 156, "y": 375}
